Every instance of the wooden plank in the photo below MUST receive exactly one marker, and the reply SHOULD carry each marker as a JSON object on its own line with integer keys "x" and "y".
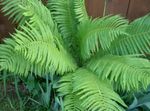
{"x": 138, "y": 8}
{"x": 95, "y": 7}
{"x": 6, "y": 26}
{"x": 117, "y": 7}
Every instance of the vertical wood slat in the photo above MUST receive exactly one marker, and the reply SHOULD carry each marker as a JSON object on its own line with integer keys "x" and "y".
{"x": 117, "y": 7}
{"x": 95, "y": 7}
{"x": 138, "y": 8}
{"x": 6, "y": 26}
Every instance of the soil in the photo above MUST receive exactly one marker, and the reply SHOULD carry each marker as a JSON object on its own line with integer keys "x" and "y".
{"x": 10, "y": 102}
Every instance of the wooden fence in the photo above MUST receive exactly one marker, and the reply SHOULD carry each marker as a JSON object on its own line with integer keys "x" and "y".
{"x": 130, "y": 9}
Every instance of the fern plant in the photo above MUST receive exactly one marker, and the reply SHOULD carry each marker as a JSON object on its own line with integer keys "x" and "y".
{"x": 96, "y": 59}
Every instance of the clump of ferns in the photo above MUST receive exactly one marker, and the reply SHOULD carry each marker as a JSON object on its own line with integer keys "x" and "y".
{"x": 96, "y": 58}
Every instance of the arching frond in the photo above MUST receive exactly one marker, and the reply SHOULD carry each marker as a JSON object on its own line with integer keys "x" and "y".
{"x": 137, "y": 40}
{"x": 13, "y": 10}
{"x": 71, "y": 101}
{"x": 97, "y": 95}
{"x": 40, "y": 46}
{"x": 128, "y": 72}
{"x": 99, "y": 33}
{"x": 14, "y": 62}
{"x": 36, "y": 12}
{"x": 27, "y": 10}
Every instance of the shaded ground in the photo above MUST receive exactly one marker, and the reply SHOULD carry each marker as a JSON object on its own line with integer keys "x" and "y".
{"x": 10, "y": 101}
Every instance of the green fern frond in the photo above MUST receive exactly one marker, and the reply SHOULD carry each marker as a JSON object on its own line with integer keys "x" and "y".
{"x": 50, "y": 53}
{"x": 37, "y": 12}
{"x": 80, "y": 10}
{"x": 14, "y": 62}
{"x": 13, "y": 10}
{"x": 97, "y": 95}
{"x": 128, "y": 72}
{"x": 64, "y": 15}
{"x": 137, "y": 40}
{"x": 68, "y": 14}
{"x": 99, "y": 33}
{"x": 22, "y": 11}
{"x": 71, "y": 101}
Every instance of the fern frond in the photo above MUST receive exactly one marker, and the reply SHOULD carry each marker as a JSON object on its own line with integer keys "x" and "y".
{"x": 37, "y": 12}
{"x": 14, "y": 62}
{"x": 22, "y": 11}
{"x": 128, "y": 72}
{"x": 67, "y": 14}
{"x": 64, "y": 15}
{"x": 80, "y": 10}
{"x": 97, "y": 95}
{"x": 12, "y": 9}
{"x": 40, "y": 46}
{"x": 137, "y": 40}
{"x": 71, "y": 101}
{"x": 99, "y": 33}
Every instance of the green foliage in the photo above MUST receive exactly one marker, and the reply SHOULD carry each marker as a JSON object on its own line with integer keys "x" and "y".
{"x": 46, "y": 53}
{"x": 141, "y": 101}
{"x": 12, "y": 8}
{"x": 99, "y": 34}
{"x": 64, "y": 16}
{"x": 15, "y": 62}
{"x": 126, "y": 72}
{"x": 37, "y": 15}
{"x": 80, "y": 10}
{"x": 71, "y": 100}
{"x": 137, "y": 40}
{"x": 67, "y": 14}
{"x": 95, "y": 93}
{"x": 91, "y": 59}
